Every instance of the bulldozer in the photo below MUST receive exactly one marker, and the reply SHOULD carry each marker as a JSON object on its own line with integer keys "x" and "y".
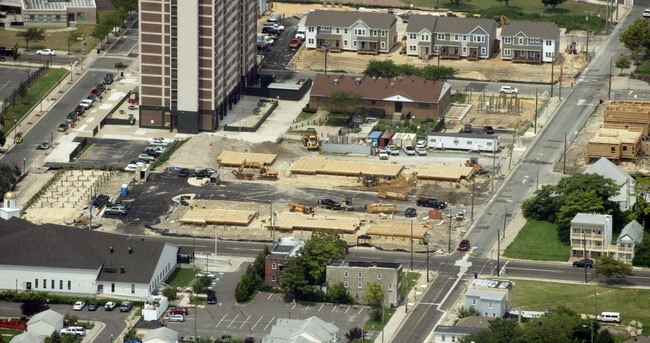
{"x": 304, "y": 209}
{"x": 266, "y": 173}
{"x": 473, "y": 162}
{"x": 310, "y": 140}
{"x": 368, "y": 180}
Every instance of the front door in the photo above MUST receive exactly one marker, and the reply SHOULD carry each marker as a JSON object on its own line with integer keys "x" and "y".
{"x": 398, "y": 107}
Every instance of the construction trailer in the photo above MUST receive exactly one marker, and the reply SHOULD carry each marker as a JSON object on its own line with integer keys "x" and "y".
{"x": 397, "y": 139}
{"x": 409, "y": 139}
{"x": 628, "y": 115}
{"x": 614, "y": 144}
{"x": 373, "y": 138}
{"x": 463, "y": 141}
{"x": 384, "y": 139}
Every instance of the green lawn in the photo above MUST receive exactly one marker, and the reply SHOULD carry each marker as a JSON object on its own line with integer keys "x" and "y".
{"x": 371, "y": 325}
{"x": 412, "y": 281}
{"x": 35, "y": 92}
{"x": 82, "y": 152}
{"x": 538, "y": 296}
{"x": 304, "y": 115}
{"x": 538, "y": 240}
{"x": 181, "y": 277}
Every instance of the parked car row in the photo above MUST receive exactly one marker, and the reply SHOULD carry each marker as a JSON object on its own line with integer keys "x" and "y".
{"x": 157, "y": 146}
{"x": 419, "y": 149}
{"x": 83, "y": 106}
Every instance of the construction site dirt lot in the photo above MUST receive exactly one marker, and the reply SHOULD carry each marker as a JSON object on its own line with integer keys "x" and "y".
{"x": 491, "y": 69}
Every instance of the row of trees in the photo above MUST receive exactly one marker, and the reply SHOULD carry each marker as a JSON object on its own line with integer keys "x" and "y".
{"x": 388, "y": 69}
{"x": 559, "y": 325}
{"x": 253, "y": 280}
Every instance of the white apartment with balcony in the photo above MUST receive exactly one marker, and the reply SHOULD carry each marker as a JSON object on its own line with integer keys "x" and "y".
{"x": 591, "y": 236}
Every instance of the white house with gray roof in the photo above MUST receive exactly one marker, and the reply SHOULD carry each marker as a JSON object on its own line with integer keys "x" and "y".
{"x": 450, "y": 37}
{"x": 161, "y": 335}
{"x": 605, "y": 168}
{"x": 363, "y": 32}
{"x": 310, "y": 330}
{"x": 530, "y": 41}
{"x": 492, "y": 298}
{"x": 626, "y": 242}
{"x": 46, "y": 322}
{"x": 27, "y": 337}
{"x": 592, "y": 233}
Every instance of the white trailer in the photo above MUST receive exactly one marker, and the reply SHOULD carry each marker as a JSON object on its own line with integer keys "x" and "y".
{"x": 463, "y": 141}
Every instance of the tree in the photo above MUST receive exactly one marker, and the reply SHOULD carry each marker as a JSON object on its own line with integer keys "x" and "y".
{"x": 32, "y": 34}
{"x": 388, "y": 69}
{"x": 611, "y": 268}
{"x": 642, "y": 252}
{"x": 202, "y": 283}
{"x": 374, "y": 295}
{"x": 3, "y": 139}
{"x": 22, "y": 90}
{"x": 55, "y": 337}
{"x": 434, "y": 73}
{"x": 553, "y": 3}
{"x": 15, "y": 54}
{"x": 118, "y": 66}
{"x": 506, "y": 1}
{"x": 354, "y": 334}
{"x": 170, "y": 293}
{"x": 636, "y": 38}
{"x": 574, "y": 203}
{"x": 499, "y": 331}
{"x": 341, "y": 102}
{"x": 339, "y": 294}
{"x": 458, "y": 3}
{"x": 249, "y": 340}
{"x": 8, "y": 177}
{"x": 468, "y": 312}
{"x": 623, "y": 63}
{"x": 381, "y": 68}
{"x": 73, "y": 37}
{"x": 33, "y": 306}
{"x": 70, "y": 319}
{"x": 604, "y": 336}
{"x": 130, "y": 334}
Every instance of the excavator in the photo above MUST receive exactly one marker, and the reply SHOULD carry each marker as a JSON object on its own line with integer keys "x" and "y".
{"x": 502, "y": 20}
{"x": 265, "y": 172}
{"x": 473, "y": 162}
{"x": 310, "y": 140}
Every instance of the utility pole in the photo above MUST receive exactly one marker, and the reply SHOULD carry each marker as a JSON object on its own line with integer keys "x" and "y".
{"x": 607, "y": 18}
{"x": 427, "y": 245}
{"x": 473, "y": 195}
{"x": 498, "y": 253}
{"x": 552, "y": 70}
{"x": 584, "y": 255}
{"x": 90, "y": 216}
{"x": 572, "y": 80}
{"x": 411, "y": 267}
{"x": 512, "y": 148}
{"x": 505, "y": 216}
{"x": 271, "y": 221}
{"x": 561, "y": 76}
{"x": 588, "y": 24}
{"x": 536, "y": 97}
{"x": 609, "y": 85}
{"x": 494, "y": 157}
{"x": 449, "y": 245}
{"x": 564, "y": 168}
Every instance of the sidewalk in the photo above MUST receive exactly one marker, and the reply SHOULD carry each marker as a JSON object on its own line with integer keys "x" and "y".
{"x": 93, "y": 333}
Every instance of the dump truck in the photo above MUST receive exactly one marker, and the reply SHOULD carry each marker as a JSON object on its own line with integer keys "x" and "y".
{"x": 381, "y": 207}
{"x": 304, "y": 209}
{"x": 330, "y": 204}
{"x": 432, "y": 202}
{"x": 310, "y": 140}
{"x": 393, "y": 194}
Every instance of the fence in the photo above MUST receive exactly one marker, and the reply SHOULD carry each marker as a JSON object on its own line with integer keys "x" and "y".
{"x": 18, "y": 325}
{"x": 31, "y": 78}
{"x": 259, "y": 123}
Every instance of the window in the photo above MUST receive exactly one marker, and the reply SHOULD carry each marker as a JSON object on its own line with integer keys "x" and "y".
{"x": 383, "y": 33}
{"x": 521, "y": 41}
{"x": 337, "y": 30}
{"x": 35, "y": 283}
{"x": 31, "y": 18}
{"x": 372, "y": 102}
{"x": 465, "y": 38}
{"x": 60, "y": 284}
{"x": 273, "y": 265}
{"x": 359, "y": 285}
{"x": 356, "y": 295}
{"x": 411, "y": 35}
{"x": 273, "y": 278}
{"x": 113, "y": 287}
{"x": 40, "y": 18}
{"x": 383, "y": 45}
{"x": 310, "y": 41}
{"x": 456, "y": 38}
{"x": 412, "y": 48}
{"x": 44, "y": 283}
{"x": 132, "y": 288}
{"x": 453, "y": 338}
{"x": 345, "y": 284}
{"x": 58, "y": 18}
{"x": 80, "y": 16}
{"x": 69, "y": 285}
{"x": 549, "y": 43}
{"x": 549, "y": 54}
{"x": 443, "y": 338}
{"x": 455, "y": 141}
{"x": 469, "y": 142}
{"x": 311, "y": 29}
{"x": 354, "y": 44}
{"x": 483, "y": 51}
{"x": 464, "y": 50}
{"x": 360, "y": 275}
{"x": 345, "y": 30}
{"x": 441, "y": 36}
{"x": 506, "y": 52}
{"x": 473, "y": 301}
{"x": 53, "y": 284}
{"x": 28, "y": 285}
{"x": 345, "y": 42}
{"x": 49, "y": 18}
{"x": 507, "y": 40}
{"x": 390, "y": 286}
{"x": 374, "y": 33}
{"x": 489, "y": 143}
{"x": 490, "y": 305}
{"x": 613, "y": 149}
{"x": 379, "y": 276}
{"x": 345, "y": 274}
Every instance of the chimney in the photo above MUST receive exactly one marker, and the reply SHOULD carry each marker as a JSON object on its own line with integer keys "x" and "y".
{"x": 336, "y": 82}
{"x": 130, "y": 250}
{"x": 121, "y": 269}
{"x": 358, "y": 81}
{"x": 111, "y": 249}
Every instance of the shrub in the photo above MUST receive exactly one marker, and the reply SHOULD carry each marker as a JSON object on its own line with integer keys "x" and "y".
{"x": 308, "y": 109}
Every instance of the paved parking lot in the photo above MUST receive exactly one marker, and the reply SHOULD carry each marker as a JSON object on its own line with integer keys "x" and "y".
{"x": 280, "y": 54}
{"x": 113, "y": 152}
{"x": 10, "y": 78}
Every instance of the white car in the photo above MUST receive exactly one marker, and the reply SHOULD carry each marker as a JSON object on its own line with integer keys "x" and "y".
{"x": 159, "y": 141}
{"x": 177, "y": 318}
{"x": 383, "y": 154}
{"x": 421, "y": 144}
{"x": 134, "y": 166}
{"x": 646, "y": 13}
{"x": 392, "y": 149}
{"x": 79, "y": 305}
{"x": 409, "y": 150}
{"x": 508, "y": 90}
{"x": 199, "y": 275}
{"x": 86, "y": 103}
{"x": 110, "y": 306}
{"x": 74, "y": 330}
{"x": 46, "y": 52}
{"x": 420, "y": 151}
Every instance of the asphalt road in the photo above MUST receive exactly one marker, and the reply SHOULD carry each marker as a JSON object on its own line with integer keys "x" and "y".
{"x": 578, "y": 103}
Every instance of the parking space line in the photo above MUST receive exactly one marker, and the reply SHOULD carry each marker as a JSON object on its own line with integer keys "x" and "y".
{"x": 307, "y": 308}
{"x": 361, "y": 310}
{"x": 258, "y": 321}
{"x": 347, "y": 309}
{"x": 334, "y": 309}
{"x": 321, "y": 307}
{"x": 242, "y": 324}
{"x": 294, "y": 306}
{"x": 270, "y": 295}
{"x": 233, "y": 320}
{"x": 271, "y": 322}
{"x": 224, "y": 317}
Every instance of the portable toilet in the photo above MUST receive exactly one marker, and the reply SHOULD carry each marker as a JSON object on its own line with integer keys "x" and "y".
{"x": 125, "y": 190}
{"x": 373, "y": 137}
{"x": 384, "y": 139}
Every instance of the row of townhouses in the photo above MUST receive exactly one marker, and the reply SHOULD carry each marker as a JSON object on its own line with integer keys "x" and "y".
{"x": 428, "y": 35}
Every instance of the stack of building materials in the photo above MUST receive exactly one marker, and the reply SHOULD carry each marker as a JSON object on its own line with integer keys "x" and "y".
{"x": 203, "y": 216}
{"x": 444, "y": 173}
{"x": 614, "y": 144}
{"x": 321, "y": 165}
{"x": 235, "y": 159}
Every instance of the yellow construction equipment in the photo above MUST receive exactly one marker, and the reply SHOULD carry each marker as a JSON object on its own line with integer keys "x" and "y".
{"x": 304, "y": 209}
{"x": 393, "y": 194}
{"x": 571, "y": 48}
{"x": 380, "y": 207}
{"x": 310, "y": 140}
{"x": 368, "y": 180}
{"x": 265, "y": 172}
{"x": 473, "y": 162}
{"x": 503, "y": 20}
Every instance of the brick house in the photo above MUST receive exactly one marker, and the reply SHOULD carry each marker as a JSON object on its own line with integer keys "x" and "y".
{"x": 274, "y": 264}
{"x": 408, "y": 97}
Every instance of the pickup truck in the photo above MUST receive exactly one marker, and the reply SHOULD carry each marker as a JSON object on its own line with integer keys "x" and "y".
{"x": 432, "y": 202}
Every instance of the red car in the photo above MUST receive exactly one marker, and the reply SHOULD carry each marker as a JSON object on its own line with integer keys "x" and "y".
{"x": 95, "y": 92}
{"x": 464, "y": 245}
{"x": 295, "y": 43}
{"x": 179, "y": 310}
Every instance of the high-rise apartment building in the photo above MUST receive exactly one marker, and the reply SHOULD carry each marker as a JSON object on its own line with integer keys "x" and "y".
{"x": 196, "y": 56}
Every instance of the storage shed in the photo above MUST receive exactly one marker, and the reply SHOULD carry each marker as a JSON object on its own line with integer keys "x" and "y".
{"x": 463, "y": 141}
{"x": 384, "y": 139}
{"x": 397, "y": 139}
{"x": 373, "y": 138}
{"x": 409, "y": 139}
{"x": 46, "y": 322}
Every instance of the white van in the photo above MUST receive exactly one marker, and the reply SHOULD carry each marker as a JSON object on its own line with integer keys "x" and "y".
{"x": 612, "y": 317}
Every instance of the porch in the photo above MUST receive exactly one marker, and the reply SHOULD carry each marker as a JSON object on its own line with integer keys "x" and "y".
{"x": 368, "y": 45}
{"x": 450, "y": 51}
{"x": 332, "y": 42}
{"x": 527, "y": 55}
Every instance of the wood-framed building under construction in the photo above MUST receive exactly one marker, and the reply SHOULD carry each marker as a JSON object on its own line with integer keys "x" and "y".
{"x": 614, "y": 144}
